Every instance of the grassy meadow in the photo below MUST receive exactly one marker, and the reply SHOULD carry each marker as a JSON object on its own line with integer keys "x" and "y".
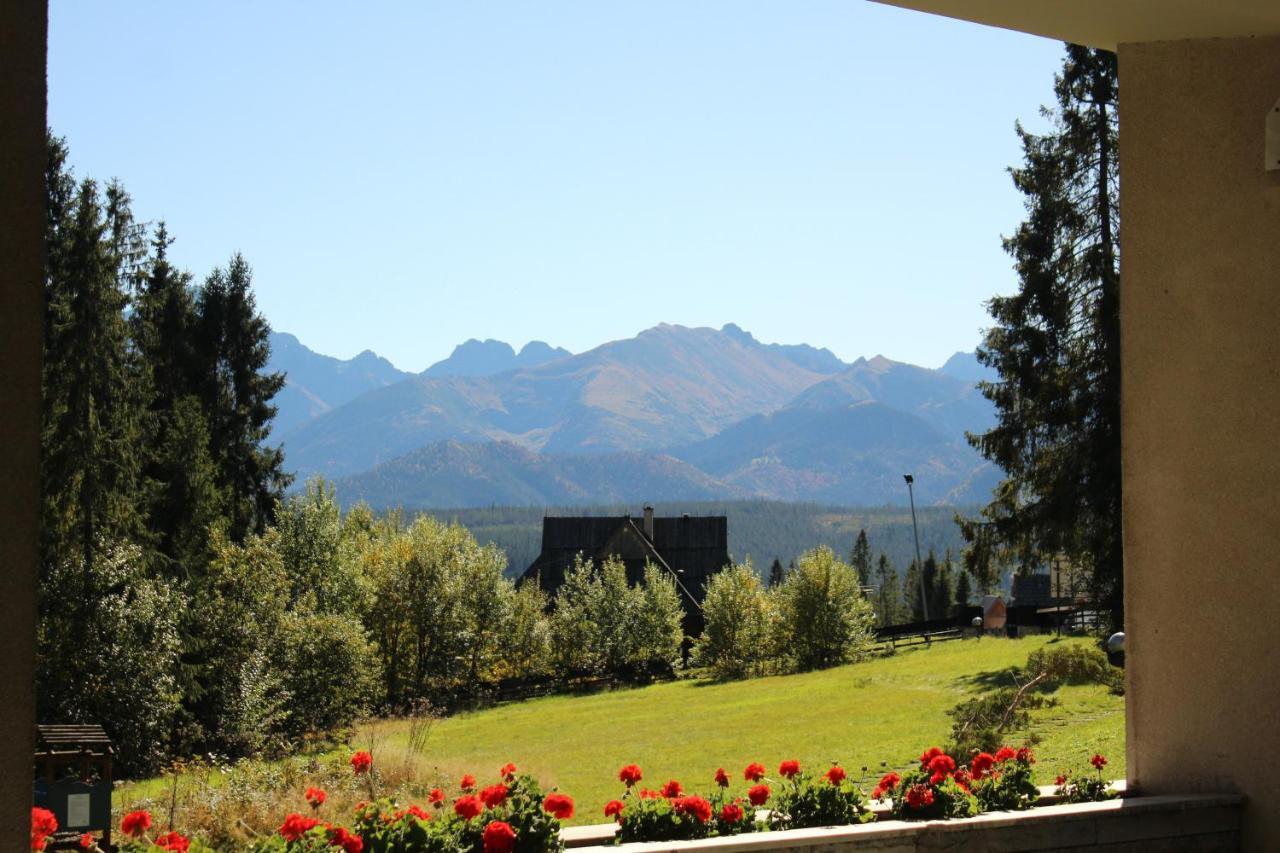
{"x": 877, "y": 714}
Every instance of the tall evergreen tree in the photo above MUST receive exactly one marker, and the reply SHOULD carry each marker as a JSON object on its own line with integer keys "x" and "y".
{"x": 964, "y": 592}
{"x": 776, "y": 573}
{"x": 1056, "y": 347}
{"x": 889, "y": 595}
{"x": 860, "y": 558}
{"x": 232, "y": 342}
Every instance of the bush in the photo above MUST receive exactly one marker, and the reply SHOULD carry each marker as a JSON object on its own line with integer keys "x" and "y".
{"x": 108, "y": 653}
{"x": 737, "y": 613}
{"x": 829, "y": 800}
{"x": 329, "y": 672}
{"x": 823, "y": 618}
{"x": 1073, "y": 664}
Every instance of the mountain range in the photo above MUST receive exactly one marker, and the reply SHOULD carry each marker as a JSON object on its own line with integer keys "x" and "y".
{"x": 674, "y": 413}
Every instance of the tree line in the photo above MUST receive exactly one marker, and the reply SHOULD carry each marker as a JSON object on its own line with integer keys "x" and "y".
{"x": 155, "y": 410}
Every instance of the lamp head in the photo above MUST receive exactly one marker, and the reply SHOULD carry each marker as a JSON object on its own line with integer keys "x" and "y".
{"x": 908, "y": 478}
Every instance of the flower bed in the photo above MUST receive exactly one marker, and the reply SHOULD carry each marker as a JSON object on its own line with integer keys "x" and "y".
{"x": 514, "y": 815}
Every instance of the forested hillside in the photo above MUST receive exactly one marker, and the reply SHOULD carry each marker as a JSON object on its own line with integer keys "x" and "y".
{"x": 761, "y": 530}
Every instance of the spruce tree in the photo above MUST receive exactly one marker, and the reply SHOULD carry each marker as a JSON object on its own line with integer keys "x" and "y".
{"x": 889, "y": 595}
{"x": 860, "y": 558}
{"x": 1055, "y": 345}
{"x": 232, "y": 348}
{"x": 776, "y": 573}
{"x": 963, "y": 593}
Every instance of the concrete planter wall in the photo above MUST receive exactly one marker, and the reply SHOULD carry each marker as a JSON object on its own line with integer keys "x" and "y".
{"x": 1203, "y": 823}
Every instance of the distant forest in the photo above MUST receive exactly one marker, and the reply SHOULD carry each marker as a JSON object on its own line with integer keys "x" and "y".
{"x": 761, "y": 530}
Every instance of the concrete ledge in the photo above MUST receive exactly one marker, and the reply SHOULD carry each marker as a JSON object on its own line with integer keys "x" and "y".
{"x": 1209, "y": 822}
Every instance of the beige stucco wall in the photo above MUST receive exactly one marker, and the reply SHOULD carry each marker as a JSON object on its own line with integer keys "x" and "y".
{"x": 22, "y": 119}
{"x": 1200, "y": 312}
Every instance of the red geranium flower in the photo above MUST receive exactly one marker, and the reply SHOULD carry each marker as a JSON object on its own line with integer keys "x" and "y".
{"x": 494, "y": 795}
{"x": 982, "y": 764}
{"x": 941, "y": 766}
{"x": 135, "y": 823}
{"x": 340, "y": 837}
{"x": 754, "y": 772}
{"x": 361, "y": 762}
{"x": 43, "y": 824}
{"x": 722, "y": 778}
{"x": 646, "y": 794}
{"x": 613, "y": 808}
{"x": 1025, "y": 755}
{"x": 672, "y": 789}
{"x": 919, "y": 796}
{"x": 836, "y": 775}
{"x": 173, "y": 842}
{"x": 316, "y": 797}
{"x": 417, "y": 812}
{"x": 930, "y": 754}
{"x": 507, "y": 772}
{"x": 295, "y": 826}
{"x": 1005, "y": 753}
{"x": 436, "y": 798}
{"x": 1098, "y": 761}
{"x": 468, "y": 782}
{"x": 467, "y": 807}
{"x": 963, "y": 779}
{"x": 630, "y": 775}
{"x": 889, "y": 781}
{"x": 559, "y": 805}
{"x": 499, "y": 837}
{"x": 789, "y": 769}
{"x": 699, "y": 808}
{"x": 86, "y": 841}
{"x": 1061, "y": 780}
{"x": 759, "y": 795}
{"x": 732, "y": 813}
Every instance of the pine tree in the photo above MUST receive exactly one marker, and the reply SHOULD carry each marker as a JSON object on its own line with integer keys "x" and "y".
{"x": 182, "y": 489}
{"x": 232, "y": 348}
{"x": 888, "y": 598}
{"x": 1055, "y": 345}
{"x": 776, "y": 573}
{"x": 860, "y": 558}
{"x": 963, "y": 593}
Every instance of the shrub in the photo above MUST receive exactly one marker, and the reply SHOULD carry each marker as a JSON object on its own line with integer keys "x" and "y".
{"x": 329, "y": 672}
{"x": 1073, "y": 664}
{"x": 736, "y": 609}
{"x": 823, "y": 618}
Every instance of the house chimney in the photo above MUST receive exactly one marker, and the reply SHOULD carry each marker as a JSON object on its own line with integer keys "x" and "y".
{"x": 648, "y": 521}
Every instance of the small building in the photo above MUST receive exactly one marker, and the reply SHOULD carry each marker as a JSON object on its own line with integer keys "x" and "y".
{"x": 994, "y": 613}
{"x": 690, "y": 548}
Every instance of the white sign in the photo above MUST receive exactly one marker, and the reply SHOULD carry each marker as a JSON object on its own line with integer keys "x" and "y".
{"x": 77, "y": 811}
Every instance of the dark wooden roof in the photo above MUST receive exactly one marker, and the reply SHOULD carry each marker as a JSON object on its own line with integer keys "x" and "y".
{"x": 72, "y": 736}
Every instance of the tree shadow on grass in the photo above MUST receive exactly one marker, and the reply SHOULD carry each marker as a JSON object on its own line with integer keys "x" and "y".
{"x": 992, "y": 679}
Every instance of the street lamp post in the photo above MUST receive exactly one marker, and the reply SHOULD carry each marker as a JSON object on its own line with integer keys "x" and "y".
{"x": 924, "y": 600}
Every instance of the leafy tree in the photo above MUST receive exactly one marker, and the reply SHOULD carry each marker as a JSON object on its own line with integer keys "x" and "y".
{"x": 823, "y": 618}
{"x": 736, "y": 640}
{"x": 659, "y": 627}
{"x": 119, "y": 666}
{"x": 860, "y": 558}
{"x": 1056, "y": 347}
{"x": 319, "y": 560}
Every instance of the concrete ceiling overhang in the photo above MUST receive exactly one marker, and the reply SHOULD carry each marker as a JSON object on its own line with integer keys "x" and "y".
{"x": 1108, "y": 23}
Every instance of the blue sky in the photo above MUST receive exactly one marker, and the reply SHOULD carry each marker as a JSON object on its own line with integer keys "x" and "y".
{"x": 409, "y": 175}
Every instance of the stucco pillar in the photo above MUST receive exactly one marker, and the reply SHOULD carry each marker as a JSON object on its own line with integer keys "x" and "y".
{"x": 1200, "y": 318}
{"x": 23, "y": 24}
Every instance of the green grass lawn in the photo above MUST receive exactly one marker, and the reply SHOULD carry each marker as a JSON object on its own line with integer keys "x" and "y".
{"x": 878, "y": 714}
